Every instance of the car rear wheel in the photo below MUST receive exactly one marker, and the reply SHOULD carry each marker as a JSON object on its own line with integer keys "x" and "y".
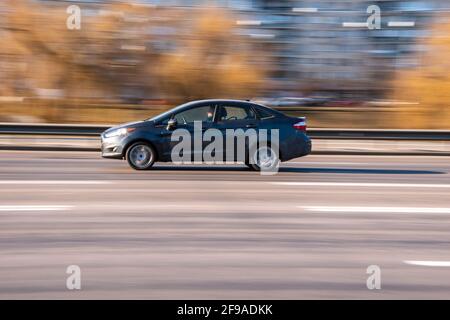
{"x": 141, "y": 156}
{"x": 265, "y": 158}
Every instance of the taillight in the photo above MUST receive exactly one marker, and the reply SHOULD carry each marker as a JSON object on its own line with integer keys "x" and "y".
{"x": 301, "y": 125}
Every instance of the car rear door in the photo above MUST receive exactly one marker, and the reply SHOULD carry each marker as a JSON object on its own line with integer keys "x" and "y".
{"x": 239, "y": 120}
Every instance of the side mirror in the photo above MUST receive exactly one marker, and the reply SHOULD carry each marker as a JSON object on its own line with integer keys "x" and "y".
{"x": 172, "y": 124}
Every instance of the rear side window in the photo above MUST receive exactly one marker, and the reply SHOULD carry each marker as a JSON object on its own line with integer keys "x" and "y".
{"x": 264, "y": 113}
{"x": 232, "y": 113}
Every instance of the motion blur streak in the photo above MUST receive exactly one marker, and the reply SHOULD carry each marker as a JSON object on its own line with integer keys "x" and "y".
{"x": 430, "y": 263}
{"x": 311, "y": 231}
{"x": 322, "y": 59}
{"x": 373, "y": 185}
{"x": 48, "y": 182}
{"x": 34, "y": 208}
{"x": 408, "y": 210}
{"x": 223, "y": 232}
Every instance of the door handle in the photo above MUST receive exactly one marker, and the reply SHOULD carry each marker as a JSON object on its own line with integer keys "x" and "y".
{"x": 251, "y": 125}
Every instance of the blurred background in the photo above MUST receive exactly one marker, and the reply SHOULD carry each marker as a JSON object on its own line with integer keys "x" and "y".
{"x": 363, "y": 198}
{"x": 133, "y": 59}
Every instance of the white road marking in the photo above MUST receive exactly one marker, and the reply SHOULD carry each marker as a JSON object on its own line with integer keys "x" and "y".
{"x": 35, "y": 208}
{"x": 361, "y": 184}
{"x": 428, "y": 263}
{"x": 355, "y": 24}
{"x": 401, "y": 24}
{"x": 352, "y": 209}
{"x": 305, "y": 10}
{"x": 54, "y": 182}
{"x": 261, "y": 35}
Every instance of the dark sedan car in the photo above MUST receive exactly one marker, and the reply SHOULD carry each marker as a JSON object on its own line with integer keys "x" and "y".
{"x": 211, "y": 131}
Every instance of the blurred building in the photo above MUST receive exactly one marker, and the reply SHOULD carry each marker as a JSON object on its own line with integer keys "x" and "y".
{"x": 322, "y": 46}
{"x": 314, "y": 47}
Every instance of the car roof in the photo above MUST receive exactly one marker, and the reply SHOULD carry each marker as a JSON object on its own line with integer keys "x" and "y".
{"x": 215, "y": 101}
{"x": 218, "y": 101}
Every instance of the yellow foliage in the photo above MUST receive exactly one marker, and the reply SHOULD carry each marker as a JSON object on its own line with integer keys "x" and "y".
{"x": 212, "y": 62}
{"x": 428, "y": 85}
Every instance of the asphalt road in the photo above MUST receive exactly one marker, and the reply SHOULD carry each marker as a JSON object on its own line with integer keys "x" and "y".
{"x": 197, "y": 232}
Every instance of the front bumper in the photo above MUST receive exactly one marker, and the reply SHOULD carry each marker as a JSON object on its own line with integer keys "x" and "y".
{"x": 112, "y": 148}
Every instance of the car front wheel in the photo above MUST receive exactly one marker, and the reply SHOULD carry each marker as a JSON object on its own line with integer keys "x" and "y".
{"x": 141, "y": 156}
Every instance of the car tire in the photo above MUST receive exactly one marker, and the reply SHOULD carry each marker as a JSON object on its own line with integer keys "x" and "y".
{"x": 270, "y": 162}
{"x": 141, "y": 156}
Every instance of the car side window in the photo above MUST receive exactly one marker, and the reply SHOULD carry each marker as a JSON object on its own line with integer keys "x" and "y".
{"x": 263, "y": 114}
{"x": 204, "y": 114}
{"x": 233, "y": 113}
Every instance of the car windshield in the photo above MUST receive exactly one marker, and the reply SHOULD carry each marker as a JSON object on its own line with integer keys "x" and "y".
{"x": 165, "y": 114}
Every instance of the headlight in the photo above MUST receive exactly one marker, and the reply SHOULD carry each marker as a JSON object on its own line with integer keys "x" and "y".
{"x": 119, "y": 132}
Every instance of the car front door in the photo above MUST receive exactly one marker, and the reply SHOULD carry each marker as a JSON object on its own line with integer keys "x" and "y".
{"x": 186, "y": 119}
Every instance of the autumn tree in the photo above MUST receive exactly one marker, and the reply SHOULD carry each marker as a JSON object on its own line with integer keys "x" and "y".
{"x": 108, "y": 52}
{"x": 212, "y": 60}
{"x": 130, "y": 50}
{"x": 427, "y": 87}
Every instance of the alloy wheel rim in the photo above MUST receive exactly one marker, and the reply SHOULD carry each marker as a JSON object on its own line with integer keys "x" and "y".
{"x": 265, "y": 157}
{"x": 141, "y": 156}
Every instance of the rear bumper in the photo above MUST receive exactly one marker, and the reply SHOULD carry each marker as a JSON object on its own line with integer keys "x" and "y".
{"x": 307, "y": 148}
{"x": 297, "y": 148}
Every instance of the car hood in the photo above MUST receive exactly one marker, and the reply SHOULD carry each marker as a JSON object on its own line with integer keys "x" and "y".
{"x": 134, "y": 124}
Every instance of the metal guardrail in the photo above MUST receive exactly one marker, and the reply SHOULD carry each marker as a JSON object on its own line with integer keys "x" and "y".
{"x": 379, "y": 134}
{"x": 52, "y": 129}
{"x": 339, "y": 134}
